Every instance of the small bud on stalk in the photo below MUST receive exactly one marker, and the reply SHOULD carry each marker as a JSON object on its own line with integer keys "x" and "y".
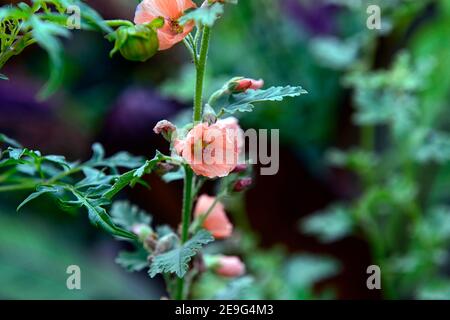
{"x": 242, "y": 184}
{"x": 240, "y": 168}
{"x": 138, "y": 42}
{"x": 238, "y": 85}
{"x": 166, "y": 128}
{"x": 226, "y": 266}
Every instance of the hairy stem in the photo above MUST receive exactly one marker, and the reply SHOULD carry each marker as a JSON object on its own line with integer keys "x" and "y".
{"x": 185, "y": 219}
{"x": 201, "y": 67}
{"x": 189, "y": 179}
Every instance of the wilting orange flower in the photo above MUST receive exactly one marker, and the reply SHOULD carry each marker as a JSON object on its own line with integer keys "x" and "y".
{"x": 247, "y": 83}
{"x": 230, "y": 266}
{"x": 212, "y": 150}
{"x": 171, "y": 10}
{"x": 217, "y": 221}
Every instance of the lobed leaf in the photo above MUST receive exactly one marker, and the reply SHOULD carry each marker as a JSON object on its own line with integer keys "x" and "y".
{"x": 126, "y": 215}
{"x": 205, "y": 15}
{"x": 176, "y": 261}
{"x": 39, "y": 192}
{"x": 133, "y": 261}
{"x": 244, "y": 102}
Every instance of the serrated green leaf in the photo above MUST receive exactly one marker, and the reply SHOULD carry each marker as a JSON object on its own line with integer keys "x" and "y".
{"x": 149, "y": 165}
{"x": 39, "y": 192}
{"x": 133, "y": 176}
{"x": 61, "y": 160}
{"x": 119, "y": 160}
{"x": 126, "y": 215}
{"x": 205, "y": 15}
{"x": 244, "y": 102}
{"x": 46, "y": 35}
{"x": 176, "y": 261}
{"x": 16, "y": 153}
{"x": 133, "y": 261}
{"x": 99, "y": 217}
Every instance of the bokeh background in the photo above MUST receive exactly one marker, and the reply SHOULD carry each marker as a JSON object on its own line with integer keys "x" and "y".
{"x": 322, "y": 45}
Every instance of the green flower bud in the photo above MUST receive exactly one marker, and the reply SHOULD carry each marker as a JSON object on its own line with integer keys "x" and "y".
{"x": 135, "y": 43}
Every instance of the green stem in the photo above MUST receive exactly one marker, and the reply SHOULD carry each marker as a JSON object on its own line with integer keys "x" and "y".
{"x": 201, "y": 67}
{"x": 17, "y": 47}
{"x": 18, "y": 187}
{"x": 32, "y": 185}
{"x": 186, "y": 220}
{"x": 119, "y": 23}
{"x": 188, "y": 193}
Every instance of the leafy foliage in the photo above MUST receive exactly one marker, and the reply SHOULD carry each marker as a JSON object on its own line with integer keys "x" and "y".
{"x": 99, "y": 180}
{"x": 228, "y": 102}
{"x": 205, "y": 15}
{"x": 400, "y": 207}
{"x": 303, "y": 271}
{"x": 126, "y": 215}
{"x": 176, "y": 261}
{"x": 44, "y": 23}
{"x": 329, "y": 225}
{"x": 133, "y": 261}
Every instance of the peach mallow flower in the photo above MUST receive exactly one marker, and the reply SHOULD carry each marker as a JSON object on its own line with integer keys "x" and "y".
{"x": 217, "y": 221}
{"x": 230, "y": 266}
{"x": 212, "y": 150}
{"x": 171, "y": 10}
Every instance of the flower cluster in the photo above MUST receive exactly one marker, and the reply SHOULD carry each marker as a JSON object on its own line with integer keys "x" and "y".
{"x": 209, "y": 148}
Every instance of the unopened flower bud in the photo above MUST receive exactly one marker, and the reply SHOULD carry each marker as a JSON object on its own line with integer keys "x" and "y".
{"x": 166, "y": 128}
{"x": 209, "y": 115}
{"x": 227, "y": 266}
{"x": 242, "y": 184}
{"x": 143, "y": 231}
{"x": 166, "y": 243}
{"x": 243, "y": 84}
{"x": 240, "y": 168}
{"x": 135, "y": 43}
{"x": 163, "y": 167}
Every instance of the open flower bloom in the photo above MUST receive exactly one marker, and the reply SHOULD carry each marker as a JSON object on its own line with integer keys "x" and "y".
{"x": 171, "y": 10}
{"x": 230, "y": 266}
{"x": 217, "y": 221}
{"x": 212, "y": 150}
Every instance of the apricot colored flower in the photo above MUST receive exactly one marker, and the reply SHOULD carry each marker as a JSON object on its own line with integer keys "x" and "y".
{"x": 217, "y": 221}
{"x": 171, "y": 10}
{"x": 230, "y": 266}
{"x": 244, "y": 84}
{"x": 212, "y": 150}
